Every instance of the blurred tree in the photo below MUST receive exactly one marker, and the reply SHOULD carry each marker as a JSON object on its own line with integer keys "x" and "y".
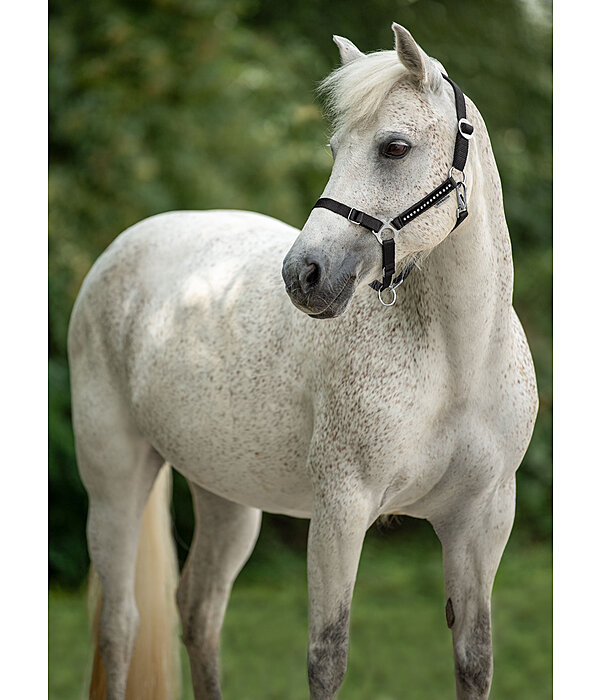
{"x": 197, "y": 104}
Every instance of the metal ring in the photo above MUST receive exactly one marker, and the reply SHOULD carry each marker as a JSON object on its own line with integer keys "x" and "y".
{"x": 389, "y": 227}
{"x": 390, "y": 303}
{"x": 462, "y": 172}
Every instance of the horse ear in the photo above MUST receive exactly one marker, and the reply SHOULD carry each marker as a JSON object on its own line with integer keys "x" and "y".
{"x": 348, "y": 52}
{"x": 414, "y": 59}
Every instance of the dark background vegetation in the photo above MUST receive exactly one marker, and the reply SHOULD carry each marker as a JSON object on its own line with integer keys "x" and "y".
{"x": 201, "y": 104}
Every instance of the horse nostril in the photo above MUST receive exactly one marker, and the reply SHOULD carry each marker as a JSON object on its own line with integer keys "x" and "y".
{"x": 310, "y": 276}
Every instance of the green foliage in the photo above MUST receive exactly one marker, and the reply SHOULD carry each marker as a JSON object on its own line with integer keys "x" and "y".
{"x": 201, "y": 104}
{"x": 68, "y": 503}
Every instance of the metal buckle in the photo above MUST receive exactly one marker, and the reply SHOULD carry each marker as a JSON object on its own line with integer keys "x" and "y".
{"x": 354, "y": 211}
{"x": 466, "y": 122}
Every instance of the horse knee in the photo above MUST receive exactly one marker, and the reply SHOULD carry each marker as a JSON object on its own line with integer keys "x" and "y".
{"x": 326, "y": 670}
{"x": 328, "y": 658}
{"x": 474, "y": 662}
{"x": 474, "y": 677}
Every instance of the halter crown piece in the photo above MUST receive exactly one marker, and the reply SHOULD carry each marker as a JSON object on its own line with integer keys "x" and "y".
{"x": 439, "y": 194}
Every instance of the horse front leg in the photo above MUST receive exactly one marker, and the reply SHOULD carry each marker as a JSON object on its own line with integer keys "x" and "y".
{"x": 473, "y": 540}
{"x": 341, "y": 516}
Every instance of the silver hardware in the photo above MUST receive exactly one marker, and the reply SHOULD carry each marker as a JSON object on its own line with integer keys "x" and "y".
{"x": 437, "y": 204}
{"x": 395, "y": 286}
{"x": 352, "y": 209}
{"x": 461, "y": 198}
{"x": 386, "y": 227}
{"x": 393, "y": 300}
{"x": 467, "y": 123}
{"x": 462, "y": 172}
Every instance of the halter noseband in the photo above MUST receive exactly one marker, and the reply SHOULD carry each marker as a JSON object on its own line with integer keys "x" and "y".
{"x": 434, "y": 198}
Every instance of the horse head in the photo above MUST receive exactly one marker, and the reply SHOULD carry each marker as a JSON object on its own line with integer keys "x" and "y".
{"x": 395, "y": 125}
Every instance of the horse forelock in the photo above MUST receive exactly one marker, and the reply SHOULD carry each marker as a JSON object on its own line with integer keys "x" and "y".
{"x": 355, "y": 92}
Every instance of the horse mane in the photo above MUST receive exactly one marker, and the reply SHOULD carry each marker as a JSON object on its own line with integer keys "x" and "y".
{"x": 354, "y": 92}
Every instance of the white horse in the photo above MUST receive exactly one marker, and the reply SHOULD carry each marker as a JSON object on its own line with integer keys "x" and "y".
{"x": 184, "y": 348}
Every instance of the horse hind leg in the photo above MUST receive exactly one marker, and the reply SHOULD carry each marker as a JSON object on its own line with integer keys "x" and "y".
{"x": 113, "y": 535}
{"x": 224, "y": 536}
{"x": 118, "y": 468}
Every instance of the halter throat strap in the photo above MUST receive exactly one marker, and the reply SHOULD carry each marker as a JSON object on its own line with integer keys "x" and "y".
{"x": 433, "y": 198}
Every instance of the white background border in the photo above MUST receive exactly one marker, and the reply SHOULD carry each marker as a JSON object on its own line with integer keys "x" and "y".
{"x": 23, "y": 246}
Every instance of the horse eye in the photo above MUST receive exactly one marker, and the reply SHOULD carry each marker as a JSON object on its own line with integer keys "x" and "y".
{"x": 396, "y": 149}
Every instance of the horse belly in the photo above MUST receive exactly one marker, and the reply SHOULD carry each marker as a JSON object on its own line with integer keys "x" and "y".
{"x": 248, "y": 446}
{"x": 214, "y": 379}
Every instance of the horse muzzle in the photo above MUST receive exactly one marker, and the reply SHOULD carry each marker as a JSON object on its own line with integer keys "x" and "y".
{"x": 313, "y": 288}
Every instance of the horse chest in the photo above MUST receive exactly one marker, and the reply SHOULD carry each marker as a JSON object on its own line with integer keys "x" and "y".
{"x": 419, "y": 426}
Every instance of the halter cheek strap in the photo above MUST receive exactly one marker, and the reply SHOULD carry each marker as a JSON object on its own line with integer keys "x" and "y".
{"x": 433, "y": 198}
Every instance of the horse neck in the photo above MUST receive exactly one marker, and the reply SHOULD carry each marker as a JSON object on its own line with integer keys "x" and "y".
{"x": 466, "y": 282}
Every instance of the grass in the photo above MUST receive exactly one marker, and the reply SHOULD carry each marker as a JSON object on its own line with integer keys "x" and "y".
{"x": 399, "y": 644}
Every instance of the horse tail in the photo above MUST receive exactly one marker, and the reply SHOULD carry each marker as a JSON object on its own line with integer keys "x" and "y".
{"x": 154, "y": 671}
